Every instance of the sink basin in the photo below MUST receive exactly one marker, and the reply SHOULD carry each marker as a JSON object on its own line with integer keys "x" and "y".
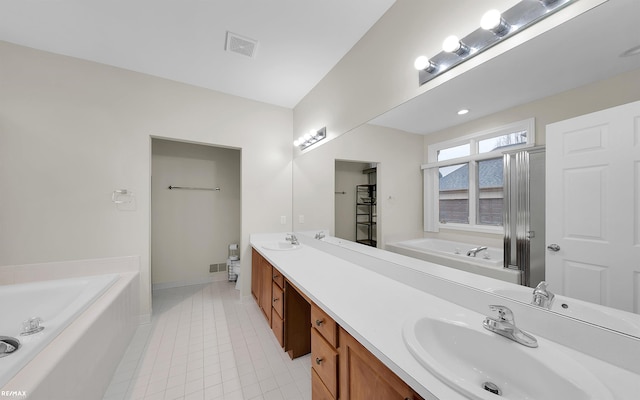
{"x": 281, "y": 246}
{"x": 467, "y": 357}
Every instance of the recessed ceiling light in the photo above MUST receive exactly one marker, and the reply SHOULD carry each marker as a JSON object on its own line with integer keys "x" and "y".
{"x": 463, "y": 111}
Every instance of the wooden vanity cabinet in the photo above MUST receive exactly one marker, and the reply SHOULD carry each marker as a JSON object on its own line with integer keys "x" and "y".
{"x": 364, "y": 377}
{"x": 324, "y": 355}
{"x": 286, "y": 310}
{"x": 341, "y": 368}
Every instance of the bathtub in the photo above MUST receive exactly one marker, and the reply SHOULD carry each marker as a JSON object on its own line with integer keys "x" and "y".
{"x": 56, "y": 302}
{"x": 454, "y": 254}
{"x": 88, "y": 322}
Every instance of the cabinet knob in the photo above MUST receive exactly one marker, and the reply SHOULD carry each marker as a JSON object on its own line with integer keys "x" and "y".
{"x": 319, "y": 360}
{"x": 276, "y": 276}
{"x": 319, "y": 322}
{"x": 275, "y": 299}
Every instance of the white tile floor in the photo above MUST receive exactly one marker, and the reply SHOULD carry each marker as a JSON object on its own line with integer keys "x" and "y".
{"x": 203, "y": 343}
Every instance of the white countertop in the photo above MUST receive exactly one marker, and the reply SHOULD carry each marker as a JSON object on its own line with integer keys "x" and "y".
{"x": 373, "y": 307}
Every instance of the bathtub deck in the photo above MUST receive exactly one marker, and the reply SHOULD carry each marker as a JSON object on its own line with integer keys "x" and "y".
{"x": 203, "y": 343}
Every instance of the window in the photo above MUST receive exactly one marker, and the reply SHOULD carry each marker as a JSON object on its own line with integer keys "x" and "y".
{"x": 469, "y": 175}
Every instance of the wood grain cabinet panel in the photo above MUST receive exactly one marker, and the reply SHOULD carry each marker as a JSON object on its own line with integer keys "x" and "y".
{"x": 255, "y": 274}
{"x": 318, "y": 389}
{"x": 324, "y": 361}
{"x": 364, "y": 377}
{"x": 325, "y": 325}
{"x": 278, "y": 300}
{"x": 265, "y": 288}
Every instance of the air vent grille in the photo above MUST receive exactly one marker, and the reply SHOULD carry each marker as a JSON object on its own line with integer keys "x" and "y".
{"x": 241, "y": 45}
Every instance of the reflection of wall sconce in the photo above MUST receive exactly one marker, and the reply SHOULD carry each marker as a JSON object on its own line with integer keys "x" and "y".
{"x": 310, "y": 138}
{"x": 494, "y": 27}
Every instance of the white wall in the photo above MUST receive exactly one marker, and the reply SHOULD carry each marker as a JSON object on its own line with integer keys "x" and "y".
{"x": 191, "y": 229}
{"x": 348, "y": 175}
{"x": 399, "y": 180}
{"x": 73, "y": 131}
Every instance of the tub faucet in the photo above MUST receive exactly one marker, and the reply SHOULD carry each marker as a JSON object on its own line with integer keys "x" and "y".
{"x": 541, "y": 296}
{"x": 475, "y": 250}
{"x": 31, "y": 326}
{"x": 320, "y": 235}
{"x": 292, "y": 238}
{"x": 505, "y": 325}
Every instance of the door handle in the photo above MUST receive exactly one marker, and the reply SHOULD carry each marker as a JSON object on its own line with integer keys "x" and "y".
{"x": 553, "y": 247}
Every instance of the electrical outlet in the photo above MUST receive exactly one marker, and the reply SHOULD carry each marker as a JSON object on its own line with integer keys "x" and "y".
{"x": 283, "y": 219}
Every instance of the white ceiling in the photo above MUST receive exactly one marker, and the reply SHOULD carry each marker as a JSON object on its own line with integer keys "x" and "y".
{"x": 299, "y": 41}
{"x": 583, "y": 50}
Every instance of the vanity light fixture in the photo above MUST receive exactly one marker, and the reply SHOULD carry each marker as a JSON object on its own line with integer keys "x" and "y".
{"x": 494, "y": 28}
{"x": 310, "y": 138}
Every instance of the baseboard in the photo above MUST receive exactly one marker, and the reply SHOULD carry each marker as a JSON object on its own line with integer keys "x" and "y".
{"x": 215, "y": 277}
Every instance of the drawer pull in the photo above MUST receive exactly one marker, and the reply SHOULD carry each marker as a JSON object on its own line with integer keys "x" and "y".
{"x": 319, "y": 360}
{"x": 319, "y": 322}
{"x": 276, "y": 276}
{"x": 275, "y": 299}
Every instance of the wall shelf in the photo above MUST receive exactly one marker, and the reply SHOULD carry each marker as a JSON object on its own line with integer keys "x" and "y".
{"x": 366, "y": 215}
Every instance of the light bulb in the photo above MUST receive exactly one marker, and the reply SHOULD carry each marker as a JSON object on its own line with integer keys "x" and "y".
{"x": 490, "y": 20}
{"x": 421, "y": 63}
{"x": 307, "y": 137}
{"x": 296, "y": 143}
{"x": 451, "y": 44}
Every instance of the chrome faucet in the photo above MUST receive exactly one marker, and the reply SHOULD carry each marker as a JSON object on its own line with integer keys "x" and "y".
{"x": 541, "y": 296}
{"x": 505, "y": 325}
{"x": 320, "y": 235}
{"x": 475, "y": 250}
{"x": 292, "y": 238}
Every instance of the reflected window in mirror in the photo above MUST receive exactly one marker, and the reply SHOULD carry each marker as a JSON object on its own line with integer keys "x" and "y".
{"x": 454, "y": 193}
{"x": 466, "y": 178}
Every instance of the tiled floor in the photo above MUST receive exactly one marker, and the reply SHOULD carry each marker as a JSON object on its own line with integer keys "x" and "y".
{"x": 203, "y": 343}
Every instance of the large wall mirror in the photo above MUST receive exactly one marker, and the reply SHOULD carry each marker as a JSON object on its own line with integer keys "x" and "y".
{"x": 573, "y": 69}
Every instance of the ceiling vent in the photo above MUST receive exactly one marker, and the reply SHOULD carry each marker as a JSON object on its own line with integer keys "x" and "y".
{"x": 241, "y": 45}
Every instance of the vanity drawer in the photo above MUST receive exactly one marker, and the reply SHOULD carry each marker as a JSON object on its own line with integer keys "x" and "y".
{"x": 278, "y": 278}
{"x": 318, "y": 390}
{"x": 278, "y": 300}
{"x": 324, "y": 361}
{"x": 325, "y": 325}
{"x": 277, "y": 326}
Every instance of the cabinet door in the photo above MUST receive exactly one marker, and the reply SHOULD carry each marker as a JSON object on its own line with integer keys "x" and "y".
{"x": 265, "y": 288}
{"x": 364, "y": 377}
{"x": 255, "y": 274}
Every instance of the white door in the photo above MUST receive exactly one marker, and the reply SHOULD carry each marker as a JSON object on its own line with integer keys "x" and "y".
{"x": 593, "y": 207}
